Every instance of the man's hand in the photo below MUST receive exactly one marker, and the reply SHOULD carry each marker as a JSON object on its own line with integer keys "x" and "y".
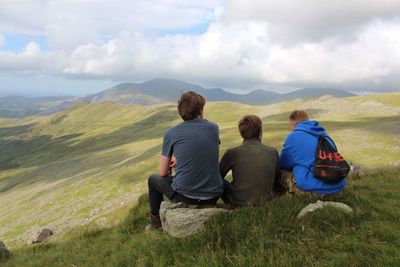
{"x": 172, "y": 165}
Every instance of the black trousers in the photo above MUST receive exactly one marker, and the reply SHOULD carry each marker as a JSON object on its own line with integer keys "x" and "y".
{"x": 160, "y": 186}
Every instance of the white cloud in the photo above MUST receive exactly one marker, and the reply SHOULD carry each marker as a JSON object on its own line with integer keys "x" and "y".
{"x": 375, "y": 53}
{"x": 309, "y": 20}
{"x": 245, "y": 49}
{"x": 69, "y": 23}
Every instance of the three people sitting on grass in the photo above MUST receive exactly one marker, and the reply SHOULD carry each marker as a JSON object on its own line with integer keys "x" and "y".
{"x": 192, "y": 148}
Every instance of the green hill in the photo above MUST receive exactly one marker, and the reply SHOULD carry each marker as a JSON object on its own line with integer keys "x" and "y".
{"x": 84, "y": 168}
{"x": 266, "y": 236}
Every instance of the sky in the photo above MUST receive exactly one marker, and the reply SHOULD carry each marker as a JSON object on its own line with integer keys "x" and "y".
{"x": 75, "y": 47}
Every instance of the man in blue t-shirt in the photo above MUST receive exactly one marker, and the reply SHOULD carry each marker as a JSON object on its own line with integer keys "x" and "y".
{"x": 298, "y": 157}
{"x": 192, "y": 148}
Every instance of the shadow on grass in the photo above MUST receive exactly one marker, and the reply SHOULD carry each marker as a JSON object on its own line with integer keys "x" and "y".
{"x": 15, "y": 130}
{"x": 69, "y": 169}
{"x": 150, "y": 128}
{"x": 58, "y": 158}
{"x": 45, "y": 149}
{"x": 37, "y": 150}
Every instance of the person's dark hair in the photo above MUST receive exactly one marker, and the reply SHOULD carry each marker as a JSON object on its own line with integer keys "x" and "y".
{"x": 190, "y": 105}
{"x": 250, "y": 126}
{"x": 298, "y": 115}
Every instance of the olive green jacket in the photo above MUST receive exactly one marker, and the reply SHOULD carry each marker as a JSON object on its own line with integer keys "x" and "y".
{"x": 255, "y": 170}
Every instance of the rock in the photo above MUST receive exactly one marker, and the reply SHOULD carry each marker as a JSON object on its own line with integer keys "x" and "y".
{"x": 42, "y": 235}
{"x": 321, "y": 204}
{"x": 181, "y": 220}
{"x": 4, "y": 251}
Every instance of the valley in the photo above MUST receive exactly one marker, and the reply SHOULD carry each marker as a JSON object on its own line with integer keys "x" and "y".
{"x": 86, "y": 166}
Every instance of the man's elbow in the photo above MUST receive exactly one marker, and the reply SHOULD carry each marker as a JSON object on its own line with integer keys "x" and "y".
{"x": 163, "y": 173}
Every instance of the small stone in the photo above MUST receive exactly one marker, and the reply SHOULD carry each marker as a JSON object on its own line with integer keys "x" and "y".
{"x": 94, "y": 212}
{"x": 321, "y": 204}
{"x": 4, "y": 251}
{"x": 42, "y": 235}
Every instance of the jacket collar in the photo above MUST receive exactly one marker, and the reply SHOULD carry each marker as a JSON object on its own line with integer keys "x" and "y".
{"x": 253, "y": 140}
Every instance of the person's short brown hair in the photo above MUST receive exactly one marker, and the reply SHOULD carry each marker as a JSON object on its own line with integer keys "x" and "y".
{"x": 190, "y": 105}
{"x": 298, "y": 115}
{"x": 250, "y": 126}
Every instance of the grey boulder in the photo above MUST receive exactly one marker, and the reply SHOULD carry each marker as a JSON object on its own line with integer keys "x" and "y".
{"x": 322, "y": 204}
{"x": 182, "y": 220}
{"x": 4, "y": 251}
{"x": 42, "y": 235}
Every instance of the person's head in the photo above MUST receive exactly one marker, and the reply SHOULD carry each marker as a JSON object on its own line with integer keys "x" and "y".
{"x": 250, "y": 126}
{"x": 297, "y": 116}
{"x": 190, "y": 106}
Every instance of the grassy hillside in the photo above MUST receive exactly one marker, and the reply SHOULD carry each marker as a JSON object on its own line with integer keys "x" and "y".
{"x": 87, "y": 166}
{"x": 266, "y": 236}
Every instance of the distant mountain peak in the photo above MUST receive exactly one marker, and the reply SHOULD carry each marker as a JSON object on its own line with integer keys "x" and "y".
{"x": 155, "y": 91}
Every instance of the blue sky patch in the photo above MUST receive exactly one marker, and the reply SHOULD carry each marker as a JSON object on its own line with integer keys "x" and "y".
{"x": 193, "y": 30}
{"x": 17, "y": 43}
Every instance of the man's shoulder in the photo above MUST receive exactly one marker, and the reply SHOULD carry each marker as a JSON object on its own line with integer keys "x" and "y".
{"x": 187, "y": 126}
{"x": 243, "y": 150}
{"x": 231, "y": 152}
{"x": 295, "y": 135}
{"x": 211, "y": 123}
{"x": 269, "y": 149}
{"x": 174, "y": 130}
{"x": 171, "y": 130}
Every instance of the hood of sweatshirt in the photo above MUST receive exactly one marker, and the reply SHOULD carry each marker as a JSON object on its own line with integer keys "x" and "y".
{"x": 311, "y": 127}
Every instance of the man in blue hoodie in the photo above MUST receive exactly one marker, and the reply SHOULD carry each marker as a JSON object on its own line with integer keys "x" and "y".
{"x": 298, "y": 155}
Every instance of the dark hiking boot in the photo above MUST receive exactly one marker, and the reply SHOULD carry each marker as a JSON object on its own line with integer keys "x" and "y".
{"x": 155, "y": 223}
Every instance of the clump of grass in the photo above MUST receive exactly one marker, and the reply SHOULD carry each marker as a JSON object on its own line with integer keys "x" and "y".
{"x": 269, "y": 235}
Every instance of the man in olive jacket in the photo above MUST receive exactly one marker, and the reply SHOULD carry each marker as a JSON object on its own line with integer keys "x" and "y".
{"x": 255, "y": 167}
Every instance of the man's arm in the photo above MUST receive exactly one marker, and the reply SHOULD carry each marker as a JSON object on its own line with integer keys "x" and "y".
{"x": 225, "y": 165}
{"x": 278, "y": 186}
{"x": 167, "y": 161}
{"x": 286, "y": 161}
{"x": 164, "y": 165}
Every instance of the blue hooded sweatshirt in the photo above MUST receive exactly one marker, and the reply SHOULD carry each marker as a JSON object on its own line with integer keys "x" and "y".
{"x": 298, "y": 155}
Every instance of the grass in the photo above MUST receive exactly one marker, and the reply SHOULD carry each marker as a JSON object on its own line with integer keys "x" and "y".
{"x": 83, "y": 168}
{"x": 266, "y": 236}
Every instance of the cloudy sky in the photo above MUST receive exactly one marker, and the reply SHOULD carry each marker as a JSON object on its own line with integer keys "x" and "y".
{"x": 75, "y": 47}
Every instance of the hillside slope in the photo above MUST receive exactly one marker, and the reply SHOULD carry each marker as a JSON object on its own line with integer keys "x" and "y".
{"x": 87, "y": 165}
{"x": 266, "y": 236}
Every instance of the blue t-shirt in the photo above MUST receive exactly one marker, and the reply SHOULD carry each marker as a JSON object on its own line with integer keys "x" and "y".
{"x": 195, "y": 145}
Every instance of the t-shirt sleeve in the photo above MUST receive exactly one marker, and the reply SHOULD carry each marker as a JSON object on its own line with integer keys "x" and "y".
{"x": 167, "y": 148}
{"x": 217, "y": 129}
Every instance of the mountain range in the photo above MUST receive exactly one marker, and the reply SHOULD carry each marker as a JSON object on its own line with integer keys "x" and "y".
{"x": 152, "y": 92}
